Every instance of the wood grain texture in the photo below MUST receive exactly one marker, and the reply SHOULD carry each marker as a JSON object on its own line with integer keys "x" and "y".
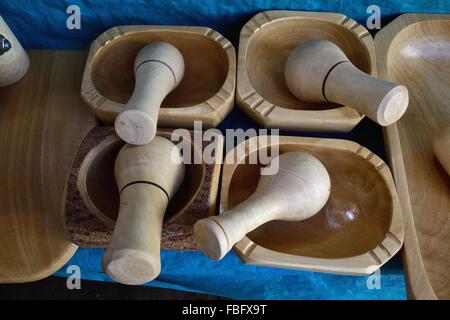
{"x": 206, "y": 92}
{"x": 414, "y": 50}
{"x": 42, "y": 122}
{"x": 358, "y": 230}
{"x": 93, "y": 201}
{"x": 264, "y": 46}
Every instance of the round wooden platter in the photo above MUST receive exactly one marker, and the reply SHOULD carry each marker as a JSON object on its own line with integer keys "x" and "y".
{"x": 92, "y": 202}
{"x": 206, "y": 92}
{"x": 265, "y": 43}
{"x": 414, "y": 50}
{"x": 42, "y": 123}
{"x": 358, "y": 230}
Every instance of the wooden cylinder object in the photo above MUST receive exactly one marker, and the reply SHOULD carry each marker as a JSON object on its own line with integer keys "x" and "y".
{"x": 318, "y": 71}
{"x": 147, "y": 177}
{"x": 14, "y": 61}
{"x": 298, "y": 190}
{"x": 441, "y": 147}
{"x": 158, "y": 69}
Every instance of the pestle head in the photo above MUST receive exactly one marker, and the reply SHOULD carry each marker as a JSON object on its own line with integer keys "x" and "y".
{"x": 307, "y": 68}
{"x": 159, "y": 163}
{"x": 165, "y": 53}
{"x": 136, "y": 125}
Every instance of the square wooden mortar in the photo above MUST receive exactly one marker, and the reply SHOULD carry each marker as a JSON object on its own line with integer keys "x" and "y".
{"x": 265, "y": 43}
{"x": 206, "y": 92}
{"x": 92, "y": 198}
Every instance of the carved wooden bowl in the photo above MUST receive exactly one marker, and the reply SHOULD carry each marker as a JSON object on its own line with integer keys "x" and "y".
{"x": 206, "y": 92}
{"x": 414, "y": 50}
{"x": 92, "y": 202}
{"x": 358, "y": 230}
{"x": 265, "y": 43}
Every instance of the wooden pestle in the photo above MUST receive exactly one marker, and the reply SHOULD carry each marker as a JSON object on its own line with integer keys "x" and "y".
{"x": 158, "y": 69}
{"x": 298, "y": 190}
{"x": 441, "y": 148}
{"x": 318, "y": 71}
{"x": 147, "y": 177}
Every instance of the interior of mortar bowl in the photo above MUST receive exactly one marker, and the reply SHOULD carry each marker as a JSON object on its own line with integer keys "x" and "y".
{"x": 100, "y": 193}
{"x": 355, "y": 219}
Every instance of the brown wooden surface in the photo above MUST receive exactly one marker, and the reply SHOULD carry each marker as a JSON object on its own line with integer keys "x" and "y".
{"x": 92, "y": 202}
{"x": 42, "y": 122}
{"x": 358, "y": 230}
{"x": 264, "y": 46}
{"x": 414, "y": 50}
{"x": 206, "y": 92}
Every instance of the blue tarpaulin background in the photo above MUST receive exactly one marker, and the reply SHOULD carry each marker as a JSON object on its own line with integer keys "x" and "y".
{"x": 42, "y": 24}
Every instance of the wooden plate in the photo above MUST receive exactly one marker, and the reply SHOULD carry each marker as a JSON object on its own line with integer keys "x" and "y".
{"x": 42, "y": 123}
{"x": 265, "y": 43}
{"x": 92, "y": 202}
{"x": 358, "y": 230}
{"x": 414, "y": 50}
{"x": 206, "y": 92}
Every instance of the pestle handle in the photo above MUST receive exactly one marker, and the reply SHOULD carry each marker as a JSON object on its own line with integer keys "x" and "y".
{"x": 159, "y": 68}
{"x": 382, "y": 101}
{"x": 133, "y": 256}
{"x": 216, "y": 235}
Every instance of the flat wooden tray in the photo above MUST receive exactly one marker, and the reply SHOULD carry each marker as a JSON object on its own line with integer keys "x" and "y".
{"x": 414, "y": 50}
{"x": 205, "y": 94}
{"x": 358, "y": 230}
{"x": 42, "y": 123}
{"x": 265, "y": 43}
{"x": 92, "y": 202}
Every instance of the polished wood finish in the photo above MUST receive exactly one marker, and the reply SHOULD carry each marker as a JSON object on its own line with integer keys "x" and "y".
{"x": 147, "y": 177}
{"x": 92, "y": 201}
{"x": 414, "y": 50}
{"x": 15, "y": 62}
{"x": 42, "y": 123}
{"x": 206, "y": 92}
{"x": 358, "y": 230}
{"x": 298, "y": 190}
{"x": 441, "y": 148}
{"x": 318, "y": 71}
{"x": 158, "y": 69}
{"x": 265, "y": 44}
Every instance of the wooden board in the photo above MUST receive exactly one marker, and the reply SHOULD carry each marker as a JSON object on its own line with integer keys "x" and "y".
{"x": 414, "y": 50}
{"x": 206, "y": 92}
{"x": 265, "y": 43}
{"x": 42, "y": 122}
{"x": 358, "y": 230}
{"x": 92, "y": 202}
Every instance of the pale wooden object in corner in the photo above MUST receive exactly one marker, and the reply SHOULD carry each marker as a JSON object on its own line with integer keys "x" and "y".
{"x": 297, "y": 191}
{"x": 42, "y": 123}
{"x": 266, "y": 41}
{"x": 147, "y": 177}
{"x": 318, "y": 71}
{"x": 441, "y": 147}
{"x": 357, "y": 231}
{"x": 158, "y": 69}
{"x": 414, "y": 50}
{"x": 15, "y": 62}
{"x": 205, "y": 94}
